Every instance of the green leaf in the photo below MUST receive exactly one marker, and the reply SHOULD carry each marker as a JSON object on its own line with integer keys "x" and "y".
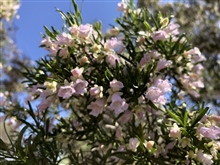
{"x": 147, "y": 26}
{"x": 202, "y": 111}
{"x": 185, "y": 118}
{"x": 174, "y": 116}
{"x": 78, "y": 14}
{"x": 49, "y": 33}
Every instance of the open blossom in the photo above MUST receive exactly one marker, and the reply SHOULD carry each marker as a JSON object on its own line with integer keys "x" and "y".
{"x": 205, "y": 159}
{"x": 172, "y": 29}
{"x": 112, "y": 59}
{"x": 118, "y": 104}
{"x": 85, "y": 31}
{"x": 77, "y": 72}
{"x": 163, "y": 85}
{"x": 212, "y": 132}
{"x": 64, "y": 53}
{"x": 163, "y": 63}
{"x": 46, "y": 42}
{"x": 149, "y": 144}
{"x": 73, "y": 30}
{"x": 66, "y": 91}
{"x": 194, "y": 51}
{"x": 63, "y": 39}
{"x": 96, "y": 91}
{"x": 79, "y": 86}
{"x": 196, "y": 55}
{"x": 155, "y": 95}
{"x": 198, "y": 84}
{"x": 96, "y": 107}
{"x": 153, "y": 54}
{"x": 133, "y": 144}
{"x": 112, "y": 43}
{"x": 159, "y": 35}
{"x": 122, "y": 6}
{"x": 116, "y": 85}
{"x": 197, "y": 68}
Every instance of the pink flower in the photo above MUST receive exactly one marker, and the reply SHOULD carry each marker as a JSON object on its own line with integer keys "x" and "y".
{"x": 194, "y": 51}
{"x": 73, "y": 29}
{"x": 133, "y": 144}
{"x": 145, "y": 60}
{"x": 149, "y": 56}
{"x": 155, "y": 95}
{"x": 45, "y": 103}
{"x": 122, "y": 6}
{"x": 205, "y": 159}
{"x": 96, "y": 107}
{"x": 198, "y": 84}
{"x": 126, "y": 117}
{"x": 175, "y": 131}
{"x": 63, "y": 39}
{"x": 172, "y": 29}
{"x": 159, "y": 35}
{"x": 212, "y": 132}
{"x": 80, "y": 86}
{"x": 46, "y": 41}
{"x": 77, "y": 72}
{"x": 53, "y": 50}
{"x": 118, "y": 104}
{"x": 96, "y": 91}
{"x": 163, "y": 63}
{"x": 64, "y": 53}
{"x": 116, "y": 85}
{"x": 163, "y": 85}
{"x": 154, "y": 54}
{"x": 197, "y": 68}
{"x": 198, "y": 58}
{"x": 111, "y": 59}
{"x": 215, "y": 118}
{"x": 85, "y": 30}
{"x": 66, "y": 91}
{"x": 112, "y": 43}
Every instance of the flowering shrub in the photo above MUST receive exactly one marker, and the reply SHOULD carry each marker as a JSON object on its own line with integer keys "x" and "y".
{"x": 116, "y": 98}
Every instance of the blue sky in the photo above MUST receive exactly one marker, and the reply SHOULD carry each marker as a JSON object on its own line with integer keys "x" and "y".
{"x": 36, "y": 13}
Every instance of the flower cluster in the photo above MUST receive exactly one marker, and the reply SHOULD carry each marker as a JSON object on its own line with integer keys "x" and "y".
{"x": 120, "y": 93}
{"x": 8, "y": 9}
